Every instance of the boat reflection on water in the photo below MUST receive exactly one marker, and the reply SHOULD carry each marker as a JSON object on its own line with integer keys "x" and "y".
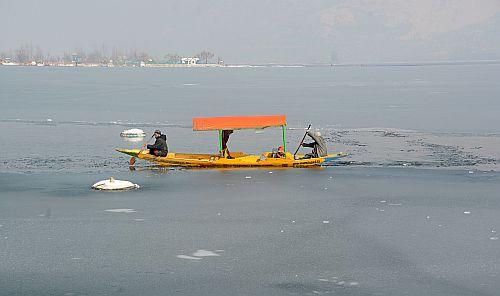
{"x": 133, "y": 140}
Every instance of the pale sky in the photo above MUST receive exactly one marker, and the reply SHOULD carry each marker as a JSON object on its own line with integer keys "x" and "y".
{"x": 263, "y": 31}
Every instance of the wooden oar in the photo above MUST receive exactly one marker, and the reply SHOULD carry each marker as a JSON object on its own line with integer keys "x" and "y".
{"x": 132, "y": 159}
{"x": 303, "y": 138}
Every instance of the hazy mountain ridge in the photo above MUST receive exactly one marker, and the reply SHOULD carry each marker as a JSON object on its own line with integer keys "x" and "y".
{"x": 264, "y": 31}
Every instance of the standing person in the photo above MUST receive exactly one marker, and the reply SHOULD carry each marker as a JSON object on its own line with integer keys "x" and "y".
{"x": 318, "y": 146}
{"x": 159, "y": 148}
{"x": 225, "y": 138}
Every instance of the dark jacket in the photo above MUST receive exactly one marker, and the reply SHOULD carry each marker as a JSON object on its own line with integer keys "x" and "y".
{"x": 318, "y": 146}
{"x": 160, "y": 144}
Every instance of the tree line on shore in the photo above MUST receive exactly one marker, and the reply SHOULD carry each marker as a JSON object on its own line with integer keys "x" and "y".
{"x": 27, "y": 54}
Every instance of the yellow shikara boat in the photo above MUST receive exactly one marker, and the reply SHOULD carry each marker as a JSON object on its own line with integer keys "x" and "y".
{"x": 238, "y": 159}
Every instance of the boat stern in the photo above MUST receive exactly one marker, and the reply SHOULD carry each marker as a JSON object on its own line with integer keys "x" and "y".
{"x": 335, "y": 156}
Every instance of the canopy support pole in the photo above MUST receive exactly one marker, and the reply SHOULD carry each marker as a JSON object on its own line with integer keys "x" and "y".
{"x": 220, "y": 141}
{"x": 283, "y": 128}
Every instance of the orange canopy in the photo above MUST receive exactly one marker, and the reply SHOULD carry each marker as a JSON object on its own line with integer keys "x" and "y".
{"x": 237, "y": 122}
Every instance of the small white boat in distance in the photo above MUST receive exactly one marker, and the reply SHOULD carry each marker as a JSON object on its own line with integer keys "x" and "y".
{"x": 133, "y": 133}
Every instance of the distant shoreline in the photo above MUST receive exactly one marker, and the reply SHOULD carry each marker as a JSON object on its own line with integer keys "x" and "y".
{"x": 266, "y": 65}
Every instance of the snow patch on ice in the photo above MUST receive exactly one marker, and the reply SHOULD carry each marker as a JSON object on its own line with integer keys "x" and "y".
{"x": 204, "y": 253}
{"x": 127, "y": 211}
{"x": 188, "y": 257}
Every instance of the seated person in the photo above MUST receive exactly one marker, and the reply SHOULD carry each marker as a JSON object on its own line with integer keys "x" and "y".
{"x": 318, "y": 146}
{"x": 159, "y": 148}
{"x": 280, "y": 153}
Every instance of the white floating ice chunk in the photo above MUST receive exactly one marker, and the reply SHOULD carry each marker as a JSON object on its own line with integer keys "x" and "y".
{"x": 395, "y": 204}
{"x": 248, "y": 177}
{"x": 326, "y": 188}
{"x": 281, "y": 231}
{"x": 190, "y": 84}
{"x": 471, "y": 172}
{"x": 353, "y": 284}
{"x": 323, "y": 280}
{"x": 188, "y": 257}
{"x": 466, "y": 212}
{"x": 204, "y": 253}
{"x": 326, "y": 222}
{"x": 270, "y": 172}
{"x": 218, "y": 214}
{"x": 341, "y": 283}
{"x": 331, "y": 177}
{"x": 428, "y": 217}
{"x": 383, "y": 201}
{"x": 112, "y": 184}
{"x": 494, "y": 238}
{"x": 126, "y": 211}
{"x": 139, "y": 220}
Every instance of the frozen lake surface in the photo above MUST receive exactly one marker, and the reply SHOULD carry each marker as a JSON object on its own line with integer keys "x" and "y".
{"x": 332, "y": 231}
{"x": 413, "y": 211}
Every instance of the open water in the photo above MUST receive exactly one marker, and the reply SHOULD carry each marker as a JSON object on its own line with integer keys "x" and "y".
{"x": 413, "y": 211}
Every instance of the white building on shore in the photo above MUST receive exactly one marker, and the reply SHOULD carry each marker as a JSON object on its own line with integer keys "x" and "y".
{"x": 190, "y": 61}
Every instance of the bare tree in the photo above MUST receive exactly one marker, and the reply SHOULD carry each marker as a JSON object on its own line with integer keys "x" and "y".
{"x": 205, "y": 56}
{"x": 38, "y": 54}
{"x": 143, "y": 56}
{"x": 94, "y": 57}
{"x": 66, "y": 58}
{"x": 172, "y": 58}
{"x": 22, "y": 54}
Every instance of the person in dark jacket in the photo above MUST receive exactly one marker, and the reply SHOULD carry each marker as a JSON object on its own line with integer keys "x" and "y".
{"x": 318, "y": 146}
{"x": 159, "y": 148}
{"x": 225, "y": 138}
